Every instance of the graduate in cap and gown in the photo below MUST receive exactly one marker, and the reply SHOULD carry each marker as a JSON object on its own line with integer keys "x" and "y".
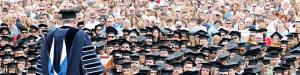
{"x": 68, "y": 51}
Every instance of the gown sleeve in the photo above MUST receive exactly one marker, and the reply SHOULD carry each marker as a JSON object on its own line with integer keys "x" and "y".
{"x": 90, "y": 61}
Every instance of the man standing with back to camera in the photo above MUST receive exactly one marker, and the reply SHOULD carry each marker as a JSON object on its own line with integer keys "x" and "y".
{"x": 68, "y": 51}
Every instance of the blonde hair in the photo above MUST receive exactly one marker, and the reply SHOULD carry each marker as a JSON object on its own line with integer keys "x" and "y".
{"x": 8, "y": 18}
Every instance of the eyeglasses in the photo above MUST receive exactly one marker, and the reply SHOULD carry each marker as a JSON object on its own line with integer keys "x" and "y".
{"x": 132, "y": 36}
{"x": 24, "y": 32}
{"x": 32, "y": 31}
{"x": 110, "y": 36}
{"x": 5, "y": 34}
{"x": 125, "y": 46}
{"x": 99, "y": 29}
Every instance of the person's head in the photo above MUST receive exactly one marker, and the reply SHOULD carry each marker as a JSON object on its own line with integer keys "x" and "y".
{"x": 188, "y": 66}
{"x": 70, "y": 21}
{"x": 228, "y": 24}
{"x": 102, "y": 21}
{"x": 248, "y": 21}
{"x": 216, "y": 39}
{"x": 123, "y": 13}
{"x": 98, "y": 29}
{"x": 134, "y": 20}
{"x": 110, "y": 21}
{"x": 261, "y": 23}
{"x": 118, "y": 19}
{"x": 297, "y": 27}
{"x": 241, "y": 26}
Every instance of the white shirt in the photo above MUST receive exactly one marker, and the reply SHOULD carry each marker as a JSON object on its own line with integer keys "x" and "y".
{"x": 90, "y": 25}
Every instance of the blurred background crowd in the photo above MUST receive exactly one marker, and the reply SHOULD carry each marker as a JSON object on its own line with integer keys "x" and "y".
{"x": 162, "y": 37}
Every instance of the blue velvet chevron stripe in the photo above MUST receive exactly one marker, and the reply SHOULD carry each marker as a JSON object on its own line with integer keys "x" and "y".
{"x": 91, "y": 61}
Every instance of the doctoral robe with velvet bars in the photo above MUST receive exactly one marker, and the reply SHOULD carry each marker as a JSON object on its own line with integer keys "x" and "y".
{"x": 68, "y": 51}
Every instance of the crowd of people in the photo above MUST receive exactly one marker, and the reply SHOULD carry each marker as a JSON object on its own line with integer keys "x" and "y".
{"x": 162, "y": 37}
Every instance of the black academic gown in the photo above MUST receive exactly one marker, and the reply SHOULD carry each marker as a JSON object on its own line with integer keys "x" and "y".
{"x": 80, "y": 58}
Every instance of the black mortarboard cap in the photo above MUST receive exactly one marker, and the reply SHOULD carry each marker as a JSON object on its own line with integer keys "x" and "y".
{"x": 235, "y": 60}
{"x": 164, "y": 48}
{"x": 167, "y": 31}
{"x": 201, "y": 56}
{"x": 126, "y": 65}
{"x": 159, "y": 58}
{"x": 206, "y": 50}
{"x": 144, "y": 70}
{"x": 177, "y": 64}
{"x": 279, "y": 70}
{"x": 116, "y": 53}
{"x": 31, "y": 54}
{"x": 119, "y": 61}
{"x": 276, "y": 34}
{"x": 155, "y": 28}
{"x": 134, "y": 31}
{"x": 189, "y": 60}
{"x": 200, "y": 32}
{"x": 142, "y": 52}
{"x": 253, "y": 62}
{"x": 216, "y": 34}
{"x": 31, "y": 70}
{"x": 42, "y": 25}
{"x": 12, "y": 65}
{"x": 235, "y": 33}
{"x": 223, "y": 68}
{"x": 126, "y": 53}
{"x": 68, "y": 13}
{"x": 232, "y": 48}
{"x": 5, "y": 38}
{"x": 143, "y": 30}
{"x": 223, "y": 57}
{"x": 34, "y": 27}
{"x": 176, "y": 42}
{"x": 155, "y": 67}
{"x": 284, "y": 41}
{"x": 215, "y": 47}
{"x": 262, "y": 30}
{"x": 135, "y": 57}
{"x": 6, "y": 56}
{"x": 32, "y": 37}
{"x": 223, "y": 40}
{"x": 19, "y": 48}
{"x": 206, "y": 65}
{"x": 33, "y": 61}
{"x": 111, "y": 30}
{"x": 253, "y": 30}
{"x": 21, "y": 59}
{"x": 126, "y": 30}
{"x": 4, "y": 29}
{"x": 186, "y": 32}
{"x": 150, "y": 57}
{"x": 190, "y": 55}
{"x": 222, "y": 30}
{"x": 242, "y": 44}
{"x": 166, "y": 72}
{"x": 273, "y": 54}
{"x": 203, "y": 36}
{"x": 190, "y": 73}
{"x": 271, "y": 48}
{"x": 7, "y": 47}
